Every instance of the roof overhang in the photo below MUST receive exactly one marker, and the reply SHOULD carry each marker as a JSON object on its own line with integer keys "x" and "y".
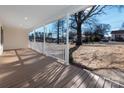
{"x": 33, "y": 16}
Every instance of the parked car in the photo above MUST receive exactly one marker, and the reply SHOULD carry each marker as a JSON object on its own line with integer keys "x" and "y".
{"x": 104, "y": 40}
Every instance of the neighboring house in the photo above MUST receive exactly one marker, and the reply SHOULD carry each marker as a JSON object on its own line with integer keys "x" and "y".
{"x": 117, "y": 35}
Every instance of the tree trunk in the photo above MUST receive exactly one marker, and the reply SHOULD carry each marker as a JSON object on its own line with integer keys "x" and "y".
{"x": 58, "y": 32}
{"x": 62, "y": 32}
{"x": 79, "y": 37}
{"x": 79, "y": 34}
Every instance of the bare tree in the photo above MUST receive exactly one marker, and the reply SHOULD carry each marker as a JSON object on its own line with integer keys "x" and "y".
{"x": 59, "y": 26}
{"x": 84, "y": 16}
{"x": 97, "y": 32}
{"x": 31, "y": 37}
{"x": 101, "y": 30}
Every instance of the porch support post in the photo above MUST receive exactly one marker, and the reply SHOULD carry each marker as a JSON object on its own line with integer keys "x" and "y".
{"x": 1, "y": 40}
{"x": 44, "y": 42}
{"x": 67, "y": 42}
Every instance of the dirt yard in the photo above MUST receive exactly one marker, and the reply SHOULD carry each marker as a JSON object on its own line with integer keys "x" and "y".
{"x": 105, "y": 60}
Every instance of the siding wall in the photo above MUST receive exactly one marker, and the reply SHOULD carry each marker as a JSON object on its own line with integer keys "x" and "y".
{"x": 15, "y": 38}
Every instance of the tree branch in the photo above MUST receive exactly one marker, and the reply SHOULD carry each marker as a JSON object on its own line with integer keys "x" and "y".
{"x": 72, "y": 26}
{"x": 100, "y": 11}
{"x": 75, "y": 15}
{"x": 86, "y": 16}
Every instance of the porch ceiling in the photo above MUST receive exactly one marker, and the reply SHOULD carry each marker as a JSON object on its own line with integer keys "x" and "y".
{"x": 32, "y": 16}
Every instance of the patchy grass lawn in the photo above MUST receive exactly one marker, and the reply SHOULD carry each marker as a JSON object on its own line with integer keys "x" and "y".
{"x": 105, "y": 60}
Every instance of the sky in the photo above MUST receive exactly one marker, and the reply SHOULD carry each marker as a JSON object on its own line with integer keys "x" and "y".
{"x": 113, "y": 16}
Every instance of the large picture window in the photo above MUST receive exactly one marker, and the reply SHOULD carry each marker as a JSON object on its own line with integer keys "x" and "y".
{"x": 56, "y": 38}
{"x": 51, "y": 39}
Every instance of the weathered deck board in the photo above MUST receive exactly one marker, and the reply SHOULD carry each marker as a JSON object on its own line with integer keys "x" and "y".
{"x": 87, "y": 81}
{"x": 66, "y": 77}
{"x": 115, "y": 85}
{"x": 36, "y": 70}
{"x": 107, "y": 84}
{"x": 93, "y": 82}
{"x": 74, "y": 79}
{"x": 100, "y": 83}
{"x": 80, "y": 80}
{"x": 121, "y": 86}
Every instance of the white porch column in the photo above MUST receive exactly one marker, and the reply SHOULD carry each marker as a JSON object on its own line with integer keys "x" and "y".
{"x": 67, "y": 42}
{"x": 1, "y": 41}
{"x": 44, "y": 42}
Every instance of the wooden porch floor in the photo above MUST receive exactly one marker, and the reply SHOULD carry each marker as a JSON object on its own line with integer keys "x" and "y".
{"x": 27, "y": 68}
